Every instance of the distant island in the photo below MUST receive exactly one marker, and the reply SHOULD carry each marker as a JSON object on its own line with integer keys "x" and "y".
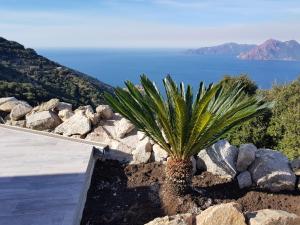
{"x": 269, "y": 50}
{"x": 34, "y": 78}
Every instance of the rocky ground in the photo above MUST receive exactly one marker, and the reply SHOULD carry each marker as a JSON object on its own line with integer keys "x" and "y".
{"x": 129, "y": 194}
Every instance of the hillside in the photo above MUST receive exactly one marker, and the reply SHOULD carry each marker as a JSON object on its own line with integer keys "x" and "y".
{"x": 274, "y": 50}
{"x": 232, "y": 49}
{"x": 34, "y": 78}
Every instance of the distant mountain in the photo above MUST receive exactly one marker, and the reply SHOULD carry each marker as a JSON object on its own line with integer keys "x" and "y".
{"x": 274, "y": 50}
{"x": 232, "y": 49}
{"x": 34, "y": 78}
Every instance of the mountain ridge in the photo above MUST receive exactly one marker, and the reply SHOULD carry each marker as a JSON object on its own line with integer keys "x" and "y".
{"x": 271, "y": 49}
{"x": 38, "y": 79}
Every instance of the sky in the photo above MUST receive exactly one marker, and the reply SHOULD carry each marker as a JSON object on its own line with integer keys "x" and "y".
{"x": 147, "y": 23}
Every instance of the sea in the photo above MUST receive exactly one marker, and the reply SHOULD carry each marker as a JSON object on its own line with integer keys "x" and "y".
{"x": 114, "y": 66}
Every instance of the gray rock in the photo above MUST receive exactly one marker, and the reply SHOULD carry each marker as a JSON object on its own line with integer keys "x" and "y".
{"x": 219, "y": 159}
{"x": 65, "y": 114}
{"x": 272, "y": 217}
{"x": 142, "y": 152}
{"x": 19, "y": 123}
{"x": 246, "y": 156}
{"x": 47, "y": 106}
{"x": 99, "y": 135}
{"x": 8, "y": 104}
{"x": 7, "y": 99}
{"x": 271, "y": 171}
{"x": 77, "y": 124}
{"x": 179, "y": 219}
{"x": 105, "y": 112}
{"x": 194, "y": 164}
{"x": 123, "y": 127}
{"x": 89, "y": 113}
{"x": 20, "y": 110}
{"x": 244, "y": 179}
{"x": 159, "y": 154}
{"x": 42, "y": 120}
{"x": 63, "y": 105}
{"x": 295, "y": 164}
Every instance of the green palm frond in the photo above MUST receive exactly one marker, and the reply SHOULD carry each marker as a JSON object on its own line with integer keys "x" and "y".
{"x": 179, "y": 123}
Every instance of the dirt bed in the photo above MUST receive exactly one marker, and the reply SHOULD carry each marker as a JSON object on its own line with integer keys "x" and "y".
{"x": 129, "y": 194}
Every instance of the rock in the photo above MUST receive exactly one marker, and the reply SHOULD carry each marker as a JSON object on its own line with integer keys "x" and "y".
{"x": 219, "y": 159}
{"x": 77, "y": 124}
{"x": 246, "y": 156}
{"x": 99, "y": 135}
{"x": 223, "y": 214}
{"x": 272, "y": 217}
{"x": 19, "y": 123}
{"x": 65, "y": 114}
{"x": 194, "y": 164}
{"x": 141, "y": 135}
{"x": 179, "y": 219}
{"x": 123, "y": 127}
{"x": 46, "y": 106}
{"x": 295, "y": 164}
{"x": 142, "y": 152}
{"x": 42, "y": 120}
{"x": 20, "y": 110}
{"x": 8, "y": 104}
{"x": 1, "y": 120}
{"x": 159, "y": 154}
{"x": 244, "y": 179}
{"x": 7, "y": 99}
{"x": 105, "y": 112}
{"x": 271, "y": 171}
{"x": 89, "y": 113}
{"x": 63, "y": 105}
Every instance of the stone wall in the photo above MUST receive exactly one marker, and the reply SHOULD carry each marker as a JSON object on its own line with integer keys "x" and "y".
{"x": 252, "y": 167}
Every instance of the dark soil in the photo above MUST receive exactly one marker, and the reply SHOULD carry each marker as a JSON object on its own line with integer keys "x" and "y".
{"x": 129, "y": 195}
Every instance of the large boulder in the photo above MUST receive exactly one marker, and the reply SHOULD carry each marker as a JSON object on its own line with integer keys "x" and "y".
{"x": 77, "y": 124}
{"x": 179, "y": 219}
{"x": 42, "y": 120}
{"x": 20, "y": 110}
{"x": 99, "y": 135}
{"x": 105, "y": 112}
{"x": 159, "y": 154}
{"x": 244, "y": 179}
{"x": 223, "y": 214}
{"x": 123, "y": 127}
{"x": 271, "y": 171}
{"x": 18, "y": 123}
{"x": 272, "y": 217}
{"x": 246, "y": 156}
{"x": 295, "y": 164}
{"x": 142, "y": 152}
{"x": 47, "y": 106}
{"x": 63, "y": 105}
{"x": 89, "y": 113}
{"x": 65, "y": 114}
{"x": 219, "y": 159}
{"x": 8, "y": 104}
{"x": 7, "y": 99}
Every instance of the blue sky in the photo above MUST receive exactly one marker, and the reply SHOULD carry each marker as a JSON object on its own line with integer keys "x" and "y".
{"x": 147, "y": 23}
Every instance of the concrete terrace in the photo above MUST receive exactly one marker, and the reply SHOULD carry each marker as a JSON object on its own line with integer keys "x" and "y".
{"x": 43, "y": 178}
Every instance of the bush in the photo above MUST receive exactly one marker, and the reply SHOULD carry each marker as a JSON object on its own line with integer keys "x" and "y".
{"x": 277, "y": 129}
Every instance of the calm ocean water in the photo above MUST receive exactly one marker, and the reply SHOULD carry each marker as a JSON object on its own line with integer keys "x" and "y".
{"x": 113, "y": 66}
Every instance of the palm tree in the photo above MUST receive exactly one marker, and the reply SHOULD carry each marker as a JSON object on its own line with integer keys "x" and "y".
{"x": 182, "y": 125}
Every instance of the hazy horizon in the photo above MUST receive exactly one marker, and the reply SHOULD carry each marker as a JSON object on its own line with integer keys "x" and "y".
{"x": 147, "y": 23}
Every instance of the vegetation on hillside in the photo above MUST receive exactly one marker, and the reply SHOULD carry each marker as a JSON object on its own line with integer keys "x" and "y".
{"x": 279, "y": 128}
{"x": 34, "y": 78}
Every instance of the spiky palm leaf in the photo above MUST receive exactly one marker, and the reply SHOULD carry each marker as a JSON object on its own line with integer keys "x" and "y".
{"x": 178, "y": 123}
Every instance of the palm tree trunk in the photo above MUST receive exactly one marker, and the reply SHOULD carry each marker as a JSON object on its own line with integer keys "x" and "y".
{"x": 179, "y": 175}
